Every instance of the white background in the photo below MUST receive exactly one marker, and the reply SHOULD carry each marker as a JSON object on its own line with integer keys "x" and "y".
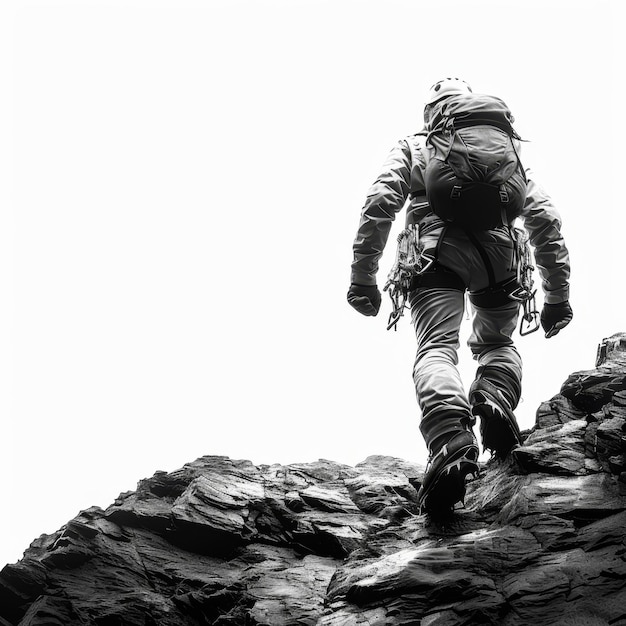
{"x": 181, "y": 185}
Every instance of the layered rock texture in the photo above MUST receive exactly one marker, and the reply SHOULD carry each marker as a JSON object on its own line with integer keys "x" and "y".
{"x": 542, "y": 539}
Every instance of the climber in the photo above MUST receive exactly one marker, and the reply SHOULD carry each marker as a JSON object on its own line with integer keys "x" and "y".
{"x": 464, "y": 210}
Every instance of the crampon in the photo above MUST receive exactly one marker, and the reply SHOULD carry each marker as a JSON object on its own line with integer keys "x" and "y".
{"x": 444, "y": 481}
{"x": 498, "y": 426}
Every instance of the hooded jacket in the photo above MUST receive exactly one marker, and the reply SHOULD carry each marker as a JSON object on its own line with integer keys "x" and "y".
{"x": 401, "y": 182}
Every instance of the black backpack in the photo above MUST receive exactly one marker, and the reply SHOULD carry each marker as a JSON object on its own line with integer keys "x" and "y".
{"x": 475, "y": 178}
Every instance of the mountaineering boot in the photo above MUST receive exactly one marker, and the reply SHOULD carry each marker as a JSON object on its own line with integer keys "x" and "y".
{"x": 498, "y": 426}
{"x": 444, "y": 481}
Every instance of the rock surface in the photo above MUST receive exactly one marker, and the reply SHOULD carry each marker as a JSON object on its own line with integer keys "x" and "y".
{"x": 542, "y": 539}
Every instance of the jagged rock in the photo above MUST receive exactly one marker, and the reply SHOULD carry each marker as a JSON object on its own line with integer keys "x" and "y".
{"x": 558, "y": 449}
{"x": 542, "y": 539}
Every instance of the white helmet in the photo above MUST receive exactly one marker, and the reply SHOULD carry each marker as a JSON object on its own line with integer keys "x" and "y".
{"x": 447, "y": 87}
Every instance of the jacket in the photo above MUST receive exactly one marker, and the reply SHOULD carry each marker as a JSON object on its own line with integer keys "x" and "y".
{"x": 401, "y": 182}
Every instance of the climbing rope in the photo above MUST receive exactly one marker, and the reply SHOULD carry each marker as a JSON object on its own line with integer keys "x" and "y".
{"x": 410, "y": 262}
{"x": 525, "y": 293}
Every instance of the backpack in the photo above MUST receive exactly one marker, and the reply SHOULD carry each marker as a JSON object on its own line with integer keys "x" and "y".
{"x": 475, "y": 178}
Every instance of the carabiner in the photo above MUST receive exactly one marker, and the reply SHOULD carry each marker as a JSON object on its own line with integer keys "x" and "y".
{"x": 532, "y": 323}
{"x": 398, "y": 303}
{"x": 530, "y": 316}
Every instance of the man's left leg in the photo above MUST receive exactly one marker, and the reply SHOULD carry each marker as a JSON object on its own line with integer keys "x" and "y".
{"x": 446, "y": 416}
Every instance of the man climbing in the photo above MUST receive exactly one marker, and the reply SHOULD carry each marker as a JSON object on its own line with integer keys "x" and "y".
{"x": 460, "y": 212}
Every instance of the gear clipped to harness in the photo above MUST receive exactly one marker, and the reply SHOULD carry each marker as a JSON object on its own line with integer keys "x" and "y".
{"x": 525, "y": 293}
{"x": 410, "y": 262}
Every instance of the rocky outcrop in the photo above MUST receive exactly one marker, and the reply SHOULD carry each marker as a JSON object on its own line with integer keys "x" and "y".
{"x": 541, "y": 540}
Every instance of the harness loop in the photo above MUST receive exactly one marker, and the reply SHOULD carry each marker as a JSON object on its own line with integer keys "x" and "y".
{"x": 411, "y": 260}
{"x": 525, "y": 293}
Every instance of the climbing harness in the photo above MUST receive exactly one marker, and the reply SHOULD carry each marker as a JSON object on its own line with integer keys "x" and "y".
{"x": 518, "y": 288}
{"x": 525, "y": 293}
{"x": 411, "y": 260}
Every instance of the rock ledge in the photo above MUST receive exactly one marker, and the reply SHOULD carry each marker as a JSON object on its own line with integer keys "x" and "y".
{"x": 542, "y": 538}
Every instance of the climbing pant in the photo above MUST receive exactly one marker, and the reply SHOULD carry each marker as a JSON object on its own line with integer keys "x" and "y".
{"x": 437, "y": 313}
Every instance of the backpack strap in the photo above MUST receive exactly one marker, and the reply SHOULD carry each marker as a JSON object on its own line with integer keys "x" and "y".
{"x": 417, "y": 157}
{"x": 456, "y": 123}
{"x": 483, "y": 255}
{"x": 494, "y": 297}
{"x": 439, "y": 277}
{"x": 496, "y": 294}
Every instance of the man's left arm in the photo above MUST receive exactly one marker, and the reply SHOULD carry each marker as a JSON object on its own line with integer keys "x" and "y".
{"x": 386, "y": 197}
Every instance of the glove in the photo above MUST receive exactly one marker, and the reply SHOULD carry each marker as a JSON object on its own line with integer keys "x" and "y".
{"x": 555, "y": 316}
{"x": 364, "y": 298}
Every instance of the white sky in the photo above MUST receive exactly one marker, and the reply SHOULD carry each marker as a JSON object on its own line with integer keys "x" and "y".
{"x": 182, "y": 182}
